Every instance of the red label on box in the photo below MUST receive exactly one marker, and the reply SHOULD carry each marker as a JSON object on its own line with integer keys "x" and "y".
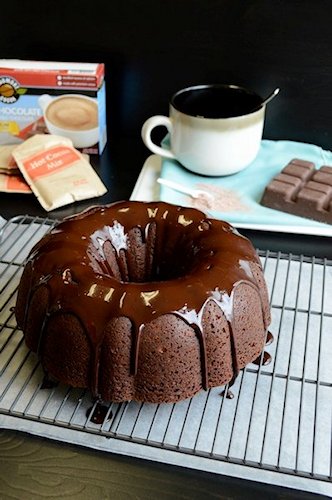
{"x": 35, "y": 78}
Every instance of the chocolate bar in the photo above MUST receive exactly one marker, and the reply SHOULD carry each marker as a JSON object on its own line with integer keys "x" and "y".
{"x": 300, "y": 189}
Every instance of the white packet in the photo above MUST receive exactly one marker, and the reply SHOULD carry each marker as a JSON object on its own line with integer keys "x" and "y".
{"x": 57, "y": 173}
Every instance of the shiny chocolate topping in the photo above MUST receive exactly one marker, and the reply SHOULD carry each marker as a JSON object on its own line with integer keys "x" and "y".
{"x": 141, "y": 260}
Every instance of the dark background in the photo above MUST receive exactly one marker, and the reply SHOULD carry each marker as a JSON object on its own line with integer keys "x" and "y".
{"x": 152, "y": 48}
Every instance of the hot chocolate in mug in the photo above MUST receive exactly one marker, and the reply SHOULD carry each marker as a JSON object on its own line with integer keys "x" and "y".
{"x": 213, "y": 129}
{"x": 73, "y": 116}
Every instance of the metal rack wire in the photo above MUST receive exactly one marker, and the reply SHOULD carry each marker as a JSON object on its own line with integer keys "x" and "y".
{"x": 280, "y": 417}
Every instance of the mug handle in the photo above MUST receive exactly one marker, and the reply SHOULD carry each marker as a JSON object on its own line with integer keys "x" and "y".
{"x": 149, "y": 125}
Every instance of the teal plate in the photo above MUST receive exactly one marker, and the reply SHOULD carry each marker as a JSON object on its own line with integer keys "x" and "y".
{"x": 249, "y": 184}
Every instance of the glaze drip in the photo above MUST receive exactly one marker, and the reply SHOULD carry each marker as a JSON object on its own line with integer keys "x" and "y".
{"x": 92, "y": 274}
{"x": 97, "y": 414}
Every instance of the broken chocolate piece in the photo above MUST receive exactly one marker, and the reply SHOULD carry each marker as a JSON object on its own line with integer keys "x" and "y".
{"x": 300, "y": 189}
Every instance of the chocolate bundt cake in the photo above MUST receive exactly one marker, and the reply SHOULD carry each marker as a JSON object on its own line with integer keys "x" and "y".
{"x": 143, "y": 301}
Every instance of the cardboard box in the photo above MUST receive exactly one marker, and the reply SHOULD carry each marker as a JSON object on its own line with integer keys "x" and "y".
{"x": 60, "y": 98}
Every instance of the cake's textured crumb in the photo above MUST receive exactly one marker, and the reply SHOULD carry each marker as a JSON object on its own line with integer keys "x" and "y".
{"x": 143, "y": 301}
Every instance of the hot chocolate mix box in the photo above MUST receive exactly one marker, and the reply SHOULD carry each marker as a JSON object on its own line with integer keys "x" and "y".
{"x": 61, "y": 98}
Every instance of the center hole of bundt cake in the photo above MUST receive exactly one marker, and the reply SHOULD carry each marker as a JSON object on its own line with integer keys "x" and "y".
{"x": 141, "y": 255}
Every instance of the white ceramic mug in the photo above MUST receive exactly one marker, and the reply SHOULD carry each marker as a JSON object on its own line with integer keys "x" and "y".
{"x": 213, "y": 129}
{"x": 82, "y": 136}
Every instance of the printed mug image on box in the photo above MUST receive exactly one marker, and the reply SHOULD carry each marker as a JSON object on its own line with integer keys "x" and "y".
{"x": 67, "y": 99}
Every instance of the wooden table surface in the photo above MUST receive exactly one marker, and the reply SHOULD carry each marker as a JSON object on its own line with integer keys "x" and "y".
{"x": 33, "y": 468}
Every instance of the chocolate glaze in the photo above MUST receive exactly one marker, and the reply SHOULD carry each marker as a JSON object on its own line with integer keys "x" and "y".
{"x": 269, "y": 338}
{"x": 98, "y": 414}
{"x": 227, "y": 393}
{"x": 48, "y": 382}
{"x": 263, "y": 359}
{"x": 190, "y": 259}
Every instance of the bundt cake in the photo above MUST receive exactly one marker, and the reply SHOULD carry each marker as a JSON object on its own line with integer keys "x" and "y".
{"x": 143, "y": 301}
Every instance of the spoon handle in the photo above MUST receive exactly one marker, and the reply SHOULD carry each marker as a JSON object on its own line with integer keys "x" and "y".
{"x": 176, "y": 187}
{"x": 270, "y": 97}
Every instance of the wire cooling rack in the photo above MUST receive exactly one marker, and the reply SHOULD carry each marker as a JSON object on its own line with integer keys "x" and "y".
{"x": 279, "y": 419}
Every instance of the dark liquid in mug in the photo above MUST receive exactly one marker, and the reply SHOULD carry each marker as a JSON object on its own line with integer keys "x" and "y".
{"x": 216, "y": 101}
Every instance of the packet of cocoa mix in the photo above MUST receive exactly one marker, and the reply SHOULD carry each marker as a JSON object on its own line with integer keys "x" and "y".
{"x": 13, "y": 184}
{"x": 7, "y": 163}
{"x": 57, "y": 173}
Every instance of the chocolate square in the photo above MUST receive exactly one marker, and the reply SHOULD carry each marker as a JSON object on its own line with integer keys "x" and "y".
{"x": 302, "y": 190}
